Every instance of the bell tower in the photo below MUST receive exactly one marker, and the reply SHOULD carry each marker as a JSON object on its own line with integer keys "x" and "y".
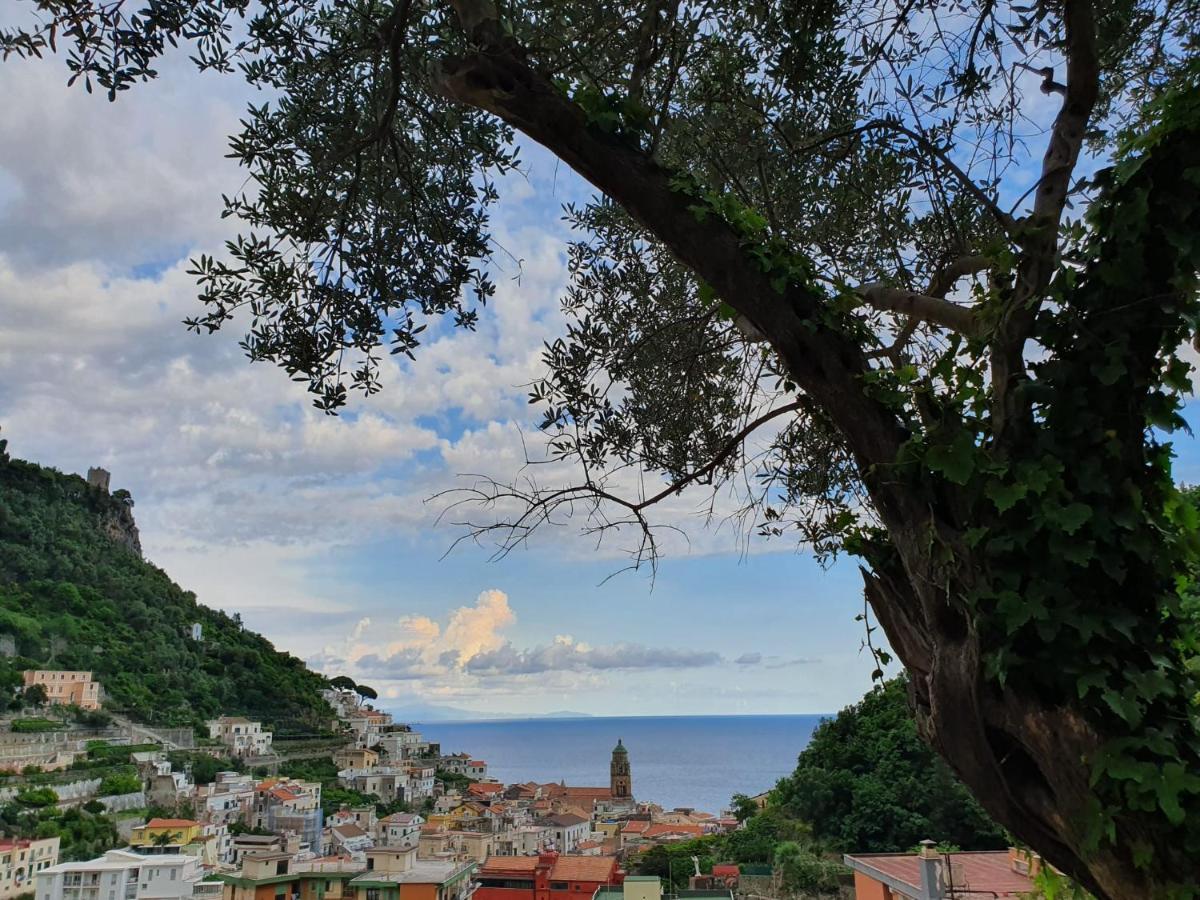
{"x": 620, "y": 781}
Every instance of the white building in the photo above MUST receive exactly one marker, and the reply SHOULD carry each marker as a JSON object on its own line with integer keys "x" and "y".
{"x": 400, "y": 830}
{"x": 243, "y": 737}
{"x": 124, "y": 875}
{"x": 569, "y": 830}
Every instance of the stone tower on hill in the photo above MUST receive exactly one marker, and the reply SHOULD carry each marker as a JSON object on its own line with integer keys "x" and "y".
{"x": 620, "y": 780}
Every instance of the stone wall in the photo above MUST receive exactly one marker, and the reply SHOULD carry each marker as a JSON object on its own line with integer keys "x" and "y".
{"x": 122, "y": 802}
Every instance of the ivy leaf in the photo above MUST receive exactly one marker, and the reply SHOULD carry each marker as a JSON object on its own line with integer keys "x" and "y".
{"x": 956, "y": 460}
{"x": 1005, "y": 496}
{"x": 1070, "y": 518}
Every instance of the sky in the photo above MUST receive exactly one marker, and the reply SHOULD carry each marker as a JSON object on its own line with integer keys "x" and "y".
{"x": 323, "y": 532}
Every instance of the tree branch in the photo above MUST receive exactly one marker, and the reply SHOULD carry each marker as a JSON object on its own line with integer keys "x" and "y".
{"x": 827, "y": 365}
{"x": 1039, "y": 233}
{"x": 921, "y": 306}
{"x": 945, "y": 279}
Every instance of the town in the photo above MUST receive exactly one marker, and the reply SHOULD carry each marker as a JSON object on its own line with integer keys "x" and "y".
{"x": 395, "y": 818}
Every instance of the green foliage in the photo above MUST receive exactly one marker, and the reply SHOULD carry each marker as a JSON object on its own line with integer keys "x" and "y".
{"x": 34, "y": 725}
{"x": 37, "y": 797}
{"x": 82, "y": 834}
{"x": 65, "y": 582}
{"x": 204, "y": 768}
{"x": 120, "y": 783}
{"x": 803, "y": 870}
{"x": 743, "y": 807}
{"x": 454, "y": 780}
{"x": 867, "y": 783}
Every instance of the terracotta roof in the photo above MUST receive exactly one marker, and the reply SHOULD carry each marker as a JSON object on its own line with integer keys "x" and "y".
{"x": 635, "y": 827}
{"x": 347, "y": 832}
{"x": 584, "y": 868}
{"x": 721, "y": 871}
{"x": 171, "y": 823}
{"x": 983, "y": 874}
{"x": 476, "y": 762}
{"x": 285, "y": 796}
{"x": 485, "y": 788}
{"x": 503, "y": 865}
{"x": 587, "y": 845}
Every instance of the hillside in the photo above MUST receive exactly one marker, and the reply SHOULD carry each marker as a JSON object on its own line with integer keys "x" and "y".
{"x": 76, "y": 594}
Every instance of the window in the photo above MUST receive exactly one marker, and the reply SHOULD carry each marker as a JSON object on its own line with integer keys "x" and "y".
{"x": 559, "y": 886}
{"x": 372, "y": 893}
{"x": 174, "y": 872}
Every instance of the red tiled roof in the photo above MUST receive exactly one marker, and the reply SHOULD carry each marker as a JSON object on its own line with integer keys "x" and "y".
{"x": 504, "y": 865}
{"x": 635, "y": 827}
{"x": 983, "y": 874}
{"x": 594, "y": 869}
{"x": 722, "y": 871}
{"x": 485, "y": 789}
{"x": 171, "y": 823}
{"x": 285, "y": 796}
{"x": 597, "y": 869}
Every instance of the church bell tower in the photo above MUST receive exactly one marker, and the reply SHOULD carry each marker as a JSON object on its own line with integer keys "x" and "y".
{"x": 620, "y": 781}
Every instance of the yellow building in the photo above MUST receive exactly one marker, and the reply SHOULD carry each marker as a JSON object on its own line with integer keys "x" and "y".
{"x": 21, "y": 860}
{"x": 166, "y": 833}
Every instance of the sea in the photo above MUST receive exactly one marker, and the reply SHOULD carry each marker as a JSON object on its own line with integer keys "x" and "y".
{"x": 676, "y": 761}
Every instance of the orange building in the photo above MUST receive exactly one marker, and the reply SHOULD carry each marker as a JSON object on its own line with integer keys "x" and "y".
{"x": 67, "y": 688}
{"x": 930, "y": 875}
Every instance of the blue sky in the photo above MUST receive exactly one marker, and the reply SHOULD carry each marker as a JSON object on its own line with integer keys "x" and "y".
{"x": 316, "y": 529}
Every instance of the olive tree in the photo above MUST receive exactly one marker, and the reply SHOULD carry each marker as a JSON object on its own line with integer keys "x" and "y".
{"x": 805, "y": 279}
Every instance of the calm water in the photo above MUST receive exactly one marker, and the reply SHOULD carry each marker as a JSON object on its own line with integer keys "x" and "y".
{"x": 698, "y": 761}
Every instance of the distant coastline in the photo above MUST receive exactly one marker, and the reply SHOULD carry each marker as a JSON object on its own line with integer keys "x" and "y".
{"x": 676, "y": 761}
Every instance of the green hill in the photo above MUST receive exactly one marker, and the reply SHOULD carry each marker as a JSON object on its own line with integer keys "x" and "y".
{"x": 75, "y": 593}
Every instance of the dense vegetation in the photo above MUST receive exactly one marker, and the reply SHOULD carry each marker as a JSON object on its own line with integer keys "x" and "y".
{"x": 866, "y": 782}
{"x": 82, "y": 833}
{"x": 74, "y": 596}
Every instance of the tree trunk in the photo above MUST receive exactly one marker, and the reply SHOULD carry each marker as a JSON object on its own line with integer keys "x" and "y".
{"x": 1026, "y": 762}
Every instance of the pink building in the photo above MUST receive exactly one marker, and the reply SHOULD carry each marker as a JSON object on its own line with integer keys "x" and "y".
{"x": 67, "y": 688}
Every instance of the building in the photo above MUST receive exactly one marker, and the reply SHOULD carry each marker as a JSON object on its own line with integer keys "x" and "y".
{"x": 384, "y": 874}
{"x": 548, "y": 874}
{"x": 569, "y": 830}
{"x": 165, "y": 833}
{"x": 930, "y": 875}
{"x": 455, "y": 845}
{"x": 400, "y": 830}
{"x": 21, "y": 861}
{"x": 620, "y": 779}
{"x": 355, "y": 758}
{"x": 124, "y": 875}
{"x": 349, "y": 840}
{"x": 397, "y": 874}
{"x": 267, "y": 875}
{"x": 289, "y": 805}
{"x": 243, "y": 737}
{"x": 67, "y": 688}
